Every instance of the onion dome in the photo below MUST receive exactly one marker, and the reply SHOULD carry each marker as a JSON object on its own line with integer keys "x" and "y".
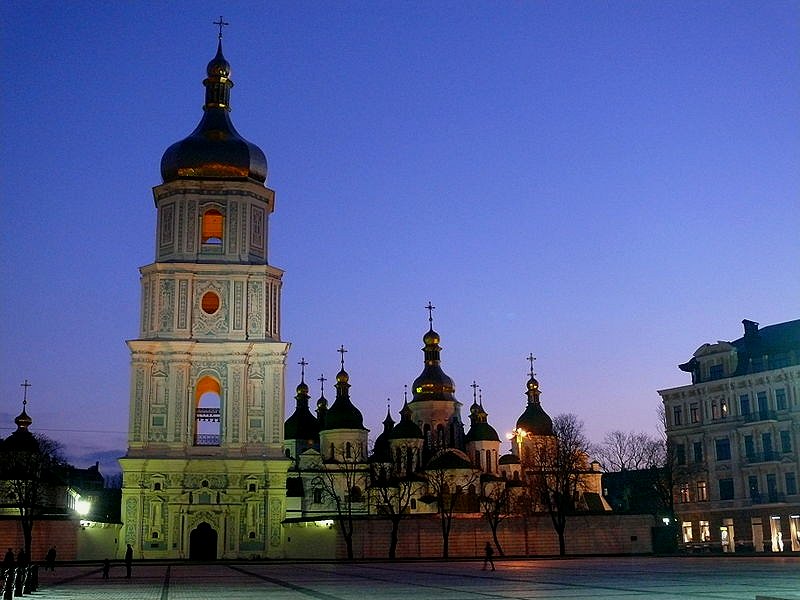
{"x": 342, "y": 414}
{"x": 380, "y": 451}
{"x": 433, "y": 383}
{"x": 21, "y": 440}
{"x": 406, "y": 429}
{"x": 534, "y": 420}
{"x": 480, "y": 430}
{"x": 215, "y": 150}
{"x": 302, "y": 425}
{"x": 509, "y": 459}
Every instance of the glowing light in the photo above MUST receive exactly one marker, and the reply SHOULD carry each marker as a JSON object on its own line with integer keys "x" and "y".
{"x": 324, "y": 523}
{"x": 666, "y": 520}
{"x": 82, "y": 507}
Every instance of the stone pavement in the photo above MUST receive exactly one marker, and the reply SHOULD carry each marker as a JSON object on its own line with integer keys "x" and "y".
{"x": 673, "y": 578}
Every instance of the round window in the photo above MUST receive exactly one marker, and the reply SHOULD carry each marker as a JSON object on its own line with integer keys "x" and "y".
{"x": 210, "y": 303}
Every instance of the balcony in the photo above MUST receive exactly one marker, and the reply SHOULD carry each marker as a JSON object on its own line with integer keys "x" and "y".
{"x": 760, "y": 415}
{"x": 760, "y": 457}
{"x": 207, "y": 439}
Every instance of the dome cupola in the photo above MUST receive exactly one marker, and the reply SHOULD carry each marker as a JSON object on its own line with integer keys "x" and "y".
{"x": 534, "y": 420}
{"x": 343, "y": 414}
{"x": 433, "y": 383}
{"x": 215, "y": 150}
{"x": 302, "y": 425}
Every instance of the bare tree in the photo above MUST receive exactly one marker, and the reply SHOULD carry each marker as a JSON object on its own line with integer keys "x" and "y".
{"x": 554, "y": 471}
{"x": 498, "y": 502}
{"x": 392, "y": 490}
{"x": 450, "y": 475}
{"x": 31, "y": 476}
{"x": 628, "y": 451}
{"x": 342, "y": 480}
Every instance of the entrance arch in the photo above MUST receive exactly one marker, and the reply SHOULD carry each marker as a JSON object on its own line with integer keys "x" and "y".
{"x": 203, "y": 543}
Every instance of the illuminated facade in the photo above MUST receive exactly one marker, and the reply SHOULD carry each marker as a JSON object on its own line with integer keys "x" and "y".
{"x": 735, "y": 433}
{"x": 204, "y": 474}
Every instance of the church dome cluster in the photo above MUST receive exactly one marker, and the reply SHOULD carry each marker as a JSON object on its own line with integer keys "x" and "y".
{"x": 430, "y": 423}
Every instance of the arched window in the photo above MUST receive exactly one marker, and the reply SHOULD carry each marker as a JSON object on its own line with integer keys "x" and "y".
{"x": 348, "y": 450}
{"x": 207, "y": 397}
{"x": 212, "y": 228}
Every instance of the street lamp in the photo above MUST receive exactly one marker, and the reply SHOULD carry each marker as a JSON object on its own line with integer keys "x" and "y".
{"x": 518, "y": 434}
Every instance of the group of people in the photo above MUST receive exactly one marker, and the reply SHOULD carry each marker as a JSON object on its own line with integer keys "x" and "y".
{"x": 21, "y": 560}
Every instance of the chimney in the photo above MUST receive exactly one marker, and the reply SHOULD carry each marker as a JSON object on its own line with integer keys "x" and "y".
{"x": 750, "y": 328}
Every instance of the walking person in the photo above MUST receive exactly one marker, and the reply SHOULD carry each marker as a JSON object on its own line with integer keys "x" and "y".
{"x": 128, "y": 561}
{"x": 488, "y": 553}
{"x": 106, "y": 567}
{"x": 50, "y": 559}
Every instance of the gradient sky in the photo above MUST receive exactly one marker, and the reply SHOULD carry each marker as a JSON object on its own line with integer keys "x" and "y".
{"x": 605, "y": 184}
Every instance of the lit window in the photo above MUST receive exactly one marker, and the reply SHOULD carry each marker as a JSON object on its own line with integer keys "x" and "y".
{"x": 213, "y": 223}
{"x": 702, "y": 491}
{"x": 705, "y": 531}
{"x": 687, "y": 531}
{"x": 685, "y": 492}
{"x": 724, "y": 408}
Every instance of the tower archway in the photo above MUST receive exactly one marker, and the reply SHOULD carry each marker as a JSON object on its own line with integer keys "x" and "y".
{"x": 207, "y": 412}
{"x": 203, "y": 543}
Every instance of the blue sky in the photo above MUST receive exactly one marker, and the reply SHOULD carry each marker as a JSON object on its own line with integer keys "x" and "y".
{"x": 605, "y": 184}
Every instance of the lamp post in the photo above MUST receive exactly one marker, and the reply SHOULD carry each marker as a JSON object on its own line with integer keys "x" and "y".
{"x": 518, "y": 435}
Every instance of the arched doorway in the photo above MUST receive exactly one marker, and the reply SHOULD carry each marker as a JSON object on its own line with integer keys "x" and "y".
{"x": 203, "y": 543}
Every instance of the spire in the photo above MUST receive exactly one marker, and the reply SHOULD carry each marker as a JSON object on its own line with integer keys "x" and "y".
{"x": 23, "y": 421}
{"x": 343, "y": 414}
{"x": 322, "y": 403}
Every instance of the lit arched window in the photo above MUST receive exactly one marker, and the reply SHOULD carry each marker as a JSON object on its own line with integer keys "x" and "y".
{"x": 213, "y": 227}
{"x": 207, "y": 397}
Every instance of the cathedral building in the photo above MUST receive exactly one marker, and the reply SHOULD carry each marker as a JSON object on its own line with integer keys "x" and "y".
{"x": 213, "y": 468}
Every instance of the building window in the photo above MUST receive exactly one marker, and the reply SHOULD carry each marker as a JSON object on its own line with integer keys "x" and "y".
{"x": 766, "y": 445}
{"x": 791, "y": 485}
{"x": 723, "y": 448}
{"x": 694, "y": 412}
{"x": 680, "y": 454}
{"x": 715, "y": 372}
{"x": 157, "y": 486}
{"x": 749, "y": 447}
{"x": 723, "y": 407}
{"x": 705, "y": 531}
{"x": 317, "y": 495}
{"x": 697, "y": 449}
{"x": 780, "y": 399}
{"x": 714, "y": 411}
{"x": 786, "y": 441}
{"x": 684, "y": 494}
{"x": 209, "y": 303}
{"x": 763, "y": 405}
{"x": 752, "y": 487}
{"x": 687, "y": 531}
{"x": 676, "y": 415}
{"x": 702, "y": 491}
{"x": 744, "y": 404}
{"x": 726, "y": 489}
{"x": 212, "y": 227}
{"x": 251, "y": 487}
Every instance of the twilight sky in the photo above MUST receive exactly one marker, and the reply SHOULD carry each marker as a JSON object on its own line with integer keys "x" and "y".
{"x": 605, "y": 184}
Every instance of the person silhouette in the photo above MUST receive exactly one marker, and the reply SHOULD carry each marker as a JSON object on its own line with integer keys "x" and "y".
{"x": 488, "y": 553}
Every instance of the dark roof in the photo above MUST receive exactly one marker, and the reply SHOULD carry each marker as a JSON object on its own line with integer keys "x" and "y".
{"x": 535, "y": 421}
{"x": 449, "y": 459}
{"x": 509, "y": 459}
{"x": 301, "y": 425}
{"x": 406, "y": 429}
{"x": 482, "y": 432}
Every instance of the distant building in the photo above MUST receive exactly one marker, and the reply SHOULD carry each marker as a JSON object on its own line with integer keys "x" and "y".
{"x": 735, "y": 432}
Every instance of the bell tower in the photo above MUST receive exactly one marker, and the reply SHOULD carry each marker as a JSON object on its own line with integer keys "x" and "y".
{"x": 205, "y": 464}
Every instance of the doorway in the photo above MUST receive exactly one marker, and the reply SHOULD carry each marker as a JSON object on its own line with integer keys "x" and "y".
{"x": 203, "y": 543}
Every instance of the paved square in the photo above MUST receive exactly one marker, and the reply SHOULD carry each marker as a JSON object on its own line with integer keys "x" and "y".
{"x": 679, "y": 578}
